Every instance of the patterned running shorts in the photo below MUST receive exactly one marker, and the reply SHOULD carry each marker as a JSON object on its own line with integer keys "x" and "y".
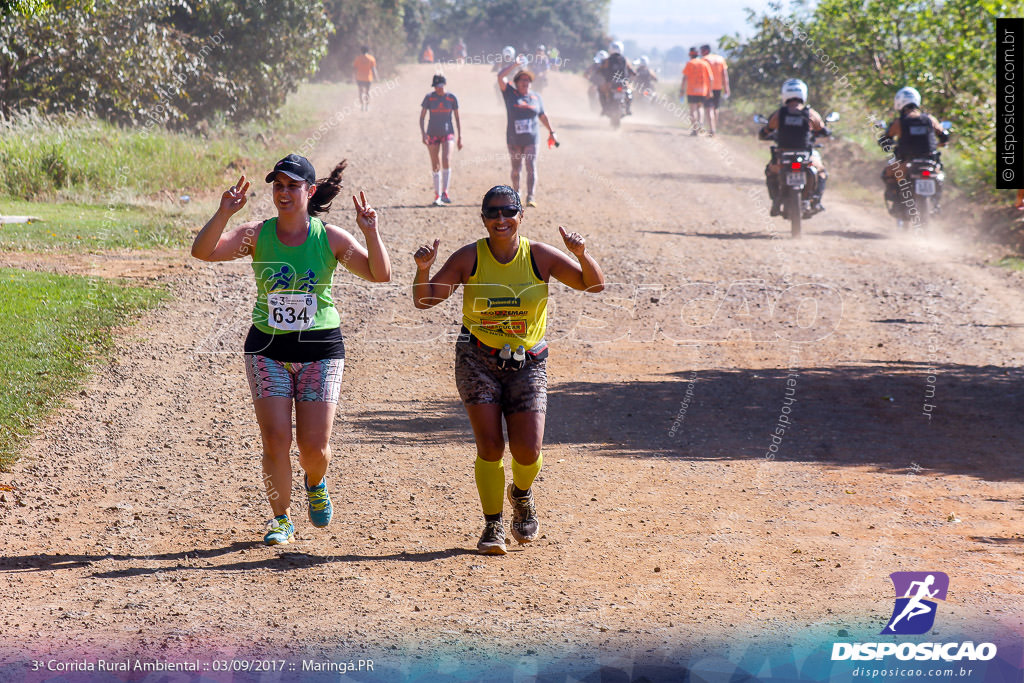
{"x": 438, "y": 139}
{"x": 480, "y": 380}
{"x": 316, "y": 381}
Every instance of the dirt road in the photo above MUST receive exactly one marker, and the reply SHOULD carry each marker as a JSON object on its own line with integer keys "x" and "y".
{"x": 887, "y": 366}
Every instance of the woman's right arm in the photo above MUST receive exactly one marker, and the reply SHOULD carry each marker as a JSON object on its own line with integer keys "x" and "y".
{"x": 211, "y": 244}
{"x": 427, "y": 291}
{"x": 502, "y": 83}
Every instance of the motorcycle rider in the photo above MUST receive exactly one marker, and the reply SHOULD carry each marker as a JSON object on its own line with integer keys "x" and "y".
{"x": 914, "y": 134}
{"x": 595, "y": 78}
{"x": 794, "y": 126}
{"x": 616, "y": 70}
{"x": 541, "y": 61}
{"x": 645, "y": 78}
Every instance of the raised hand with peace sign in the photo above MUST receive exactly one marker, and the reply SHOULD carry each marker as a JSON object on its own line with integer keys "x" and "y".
{"x": 234, "y": 197}
{"x": 366, "y": 215}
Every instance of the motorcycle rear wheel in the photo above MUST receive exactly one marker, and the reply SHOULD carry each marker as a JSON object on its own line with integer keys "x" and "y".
{"x": 794, "y": 210}
{"x": 924, "y": 209}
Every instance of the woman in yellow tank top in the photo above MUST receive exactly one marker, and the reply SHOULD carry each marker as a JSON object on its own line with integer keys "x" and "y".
{"x": 500, "y": 366}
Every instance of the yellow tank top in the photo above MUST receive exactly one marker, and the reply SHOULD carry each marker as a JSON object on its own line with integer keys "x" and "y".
{"x": 505, "y": 303}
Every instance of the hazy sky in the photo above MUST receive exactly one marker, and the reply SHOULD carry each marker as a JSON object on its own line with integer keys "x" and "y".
{"x": 664, "y": 23}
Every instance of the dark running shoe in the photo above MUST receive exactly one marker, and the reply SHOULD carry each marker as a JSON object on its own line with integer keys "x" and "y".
{"x": 492, "y": 540}
{"x": 524, "y": 517}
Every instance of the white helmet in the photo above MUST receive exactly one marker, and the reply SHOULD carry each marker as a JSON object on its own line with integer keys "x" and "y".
{"x": 508, "y": 53}
{"x": 644, "y": 60}
{"x": 600, "y": 57}
{"x": 794, "y": 89}
{"x": 905, "y": 96}
{"x": 616, "y": 47}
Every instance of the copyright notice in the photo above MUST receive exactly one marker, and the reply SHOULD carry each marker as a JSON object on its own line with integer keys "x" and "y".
{"x": 1009, "y": 132}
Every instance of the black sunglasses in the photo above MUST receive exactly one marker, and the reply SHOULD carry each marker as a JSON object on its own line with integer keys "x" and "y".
{"x": 510, "y": 211}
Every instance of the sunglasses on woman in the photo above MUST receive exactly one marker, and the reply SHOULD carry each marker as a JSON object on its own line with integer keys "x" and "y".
{"x": 509, "y": 211}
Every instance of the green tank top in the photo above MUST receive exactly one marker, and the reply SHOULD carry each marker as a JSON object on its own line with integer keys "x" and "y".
{"x": 294, "y": 283}
{"x": 505, "y": 303}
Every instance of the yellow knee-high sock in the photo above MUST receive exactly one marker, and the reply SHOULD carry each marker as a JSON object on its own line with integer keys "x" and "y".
{"x": 490, "y": 483}
{"x": 523, "y": 475}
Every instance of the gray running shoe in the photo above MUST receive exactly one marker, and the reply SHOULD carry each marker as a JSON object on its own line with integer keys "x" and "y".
{"x": 524, "y": 517}
{"x": 492, "y": 540}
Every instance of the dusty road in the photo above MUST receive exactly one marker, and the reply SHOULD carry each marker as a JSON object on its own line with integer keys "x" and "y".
{"x": 671, "y": 526}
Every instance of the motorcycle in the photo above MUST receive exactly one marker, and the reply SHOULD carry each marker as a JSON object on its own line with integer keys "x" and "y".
{"x": 917, "y": 185}
{"x": 619, "y": 99}
{"x": 646, "y": 96}
{"x": 797, "y": 179}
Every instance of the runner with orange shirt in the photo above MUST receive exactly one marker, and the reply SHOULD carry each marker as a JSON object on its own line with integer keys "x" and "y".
{"x": 365, "y": 67}
{"x": 719, "y": 84}
{"x": 697, "y": 79}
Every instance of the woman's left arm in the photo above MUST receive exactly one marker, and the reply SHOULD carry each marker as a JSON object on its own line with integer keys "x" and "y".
{"x": 585, "y": 275}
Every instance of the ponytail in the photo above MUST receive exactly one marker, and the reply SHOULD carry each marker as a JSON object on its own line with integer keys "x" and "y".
{"x": 326, "y": 190}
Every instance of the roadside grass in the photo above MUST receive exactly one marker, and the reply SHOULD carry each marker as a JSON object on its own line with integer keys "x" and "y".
{"x": 52, "y": 327}
{"x": 74, "y": 226}
{"x": 95, "y": 184}
{"x": 1011, "y": 262}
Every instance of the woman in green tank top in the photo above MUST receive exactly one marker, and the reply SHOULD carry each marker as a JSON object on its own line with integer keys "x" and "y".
{"x": 294, "y": 351}
{"x": 504, "y": 278}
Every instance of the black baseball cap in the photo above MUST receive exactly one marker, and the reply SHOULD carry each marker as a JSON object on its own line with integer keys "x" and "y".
{"x": 295, "y": 167}
{"x": 438, "y": 80}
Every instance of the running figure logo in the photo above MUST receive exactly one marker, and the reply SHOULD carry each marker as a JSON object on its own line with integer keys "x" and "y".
{"x": 914, "y": 612}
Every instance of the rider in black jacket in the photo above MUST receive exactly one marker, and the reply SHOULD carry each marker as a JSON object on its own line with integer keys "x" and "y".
{"x": 795, "y": 126}
{"x": 913, "y": 134}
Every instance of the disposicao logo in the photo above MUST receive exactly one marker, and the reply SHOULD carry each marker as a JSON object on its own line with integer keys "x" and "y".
{"x": 914, "y": 612}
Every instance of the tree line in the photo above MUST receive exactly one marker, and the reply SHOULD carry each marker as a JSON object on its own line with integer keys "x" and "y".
{"x": 860, "y": 52}
{"x": 178, "y": 62}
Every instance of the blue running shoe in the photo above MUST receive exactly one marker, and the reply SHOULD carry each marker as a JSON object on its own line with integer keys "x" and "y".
{"x": 320, "y": 508}
{"x": 281, "y": 531}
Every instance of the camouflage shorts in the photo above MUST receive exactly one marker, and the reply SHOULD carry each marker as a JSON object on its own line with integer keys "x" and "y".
{"x": 480, "y": 380}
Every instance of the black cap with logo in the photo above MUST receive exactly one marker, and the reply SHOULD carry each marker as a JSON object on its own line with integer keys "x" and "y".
{"x": 295, "y": 167}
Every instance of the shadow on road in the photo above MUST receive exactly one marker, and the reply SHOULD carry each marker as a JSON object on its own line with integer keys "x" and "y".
{"x": 731, "y": 235}
{"x": 949, "y": 419}
{"x": 286, "y": 561}
{"x": 696, "y": 178}
{"x": 854, "y": 234}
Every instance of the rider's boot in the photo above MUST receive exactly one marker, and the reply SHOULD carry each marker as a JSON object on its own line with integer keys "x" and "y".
{"x": 776, "y": 209}
{"x": 816, "y": 206}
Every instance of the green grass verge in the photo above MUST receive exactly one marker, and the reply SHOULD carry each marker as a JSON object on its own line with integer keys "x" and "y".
{"x": 101, "y": 186}
{"x": 1011, "y": 262}
{"x": 81, "y": 226}
{"x": 51, "y": 328}
{"x": 89, "y": 160}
